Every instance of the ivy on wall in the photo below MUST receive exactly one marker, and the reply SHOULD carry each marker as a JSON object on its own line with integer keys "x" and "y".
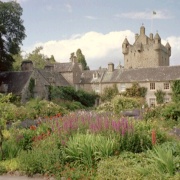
{"x": 31, "y": 87}
{"x": 160, "y": 96}
{"x": 176, "y": 90}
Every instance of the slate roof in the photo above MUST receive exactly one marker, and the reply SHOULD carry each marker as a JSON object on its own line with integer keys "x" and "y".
{"x": 15, "y": 80}
{"x": 163, "y": 73}
{"x": 87, "y": 76}
{"x": 57, "y": 78}
{"x": 63, "y": 67}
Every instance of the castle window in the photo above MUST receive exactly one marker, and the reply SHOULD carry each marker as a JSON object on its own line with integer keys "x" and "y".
{"x": 166, "y": 86}
{"x": 152, "y": 86}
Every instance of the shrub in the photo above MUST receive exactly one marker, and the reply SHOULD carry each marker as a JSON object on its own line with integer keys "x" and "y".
{"x": 109, "y": 93}
{"x": 135, "y": 91}
{"x": 124, "y": 103}
{"x": 45, "y": 157}
{"x": 70, "y": 94}
{"x": 121, "y": 167}
{"x": 153, "y": 113}
{"x": 171, "y": 111}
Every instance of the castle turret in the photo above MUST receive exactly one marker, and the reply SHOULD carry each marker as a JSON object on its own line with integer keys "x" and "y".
{"x": 125, "y": 46}
{"x": 157, "y": 42}
{"x": 168, "y": 47}
{"x": 142, "y": 30}
{"x": 151, "y": 36}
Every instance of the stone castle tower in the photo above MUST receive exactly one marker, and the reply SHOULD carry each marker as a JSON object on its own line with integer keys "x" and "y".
{"x": 146, "y": 51}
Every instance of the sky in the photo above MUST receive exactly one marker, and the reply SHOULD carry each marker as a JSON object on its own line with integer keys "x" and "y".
{"x": 97, "y": 27}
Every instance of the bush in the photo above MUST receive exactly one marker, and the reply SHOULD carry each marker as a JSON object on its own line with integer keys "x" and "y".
{"x": 121, "y": 167}
{"x": 109, "y": 93}
{"x": 172, "y": 111}
{"x": 70, "y": 94}
{"x": 124, "y": 103}
{"x": 45, "y": 157}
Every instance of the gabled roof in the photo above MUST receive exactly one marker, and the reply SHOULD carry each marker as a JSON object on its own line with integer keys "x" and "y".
{"x": 63, "y": 67}
{"x": 54, "y": 77}
{"x": 15, "y": 80}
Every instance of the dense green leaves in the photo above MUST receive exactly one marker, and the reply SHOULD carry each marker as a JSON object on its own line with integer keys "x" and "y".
{"x": 12, "y": 32}
{"x": 160, "y": 96}
{"x": 176, "y": 90}
{"x": 81, "y": 59}
{"x": 70, "y": 94}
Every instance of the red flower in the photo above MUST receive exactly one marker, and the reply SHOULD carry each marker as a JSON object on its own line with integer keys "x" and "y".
{"x": 33, "y": 127}
{"x": 153, "y": 137}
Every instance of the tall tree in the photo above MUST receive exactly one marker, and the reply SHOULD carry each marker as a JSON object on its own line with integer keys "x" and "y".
{"x": 81, "y": 59}
{"x": 12, "y": 32}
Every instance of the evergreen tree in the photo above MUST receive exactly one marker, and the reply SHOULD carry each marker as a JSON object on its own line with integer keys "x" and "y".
{"x": 81, "y": 59}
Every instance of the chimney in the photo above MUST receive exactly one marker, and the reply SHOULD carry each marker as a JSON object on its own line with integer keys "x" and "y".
{"x": 27, "y": 65}
{"x": 151, "y": 36}
{"x": 110, "y": 67}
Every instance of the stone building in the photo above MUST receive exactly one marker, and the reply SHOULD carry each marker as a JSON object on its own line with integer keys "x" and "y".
{"x": 146, "y": 51}
{"x": 145, "y": 62}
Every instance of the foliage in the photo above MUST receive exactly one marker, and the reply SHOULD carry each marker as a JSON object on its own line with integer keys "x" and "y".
{"x": 109, "y": 93}
{"x": 42, "y": 159}
{"x": 121, "y": 167}
{"x": 139, "y": 139}
{"x": 81, "y": 59}
{"x": 42, "y": 108}
{"x": 160, "y": 96}
{"x": 153, "y": 113}
{"x": 176, "y": 90}
{"x": 172, "y": 111}
{"x": 125, "y": 103}
{"x": 31, "y": 87}
{"x": 88, "y": 148}
{"x": 18, "y": 58}
{"x": 12, "y": 32}
{"x": 39, "y": 60}
{"x": 70, "y": 94}
{"x": 135, "y": 91}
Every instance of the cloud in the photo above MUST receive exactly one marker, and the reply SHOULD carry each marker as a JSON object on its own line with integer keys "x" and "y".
{"x": 69, "y": 8}
{"x": 159, "y": 14}
{"x": 100, "y": 49}
{"x": 175, "y": 49}
{"x": 90, "y": 17}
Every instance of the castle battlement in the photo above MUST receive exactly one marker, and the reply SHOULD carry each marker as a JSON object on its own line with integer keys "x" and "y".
{"x": 146, "y": 51}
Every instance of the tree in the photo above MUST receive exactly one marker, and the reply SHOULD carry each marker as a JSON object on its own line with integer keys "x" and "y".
{"x": 39, "y": 60}
{"x": 12, "y": 32}
{"x": 81, "y": 59}
{"x": 18, "y": 58}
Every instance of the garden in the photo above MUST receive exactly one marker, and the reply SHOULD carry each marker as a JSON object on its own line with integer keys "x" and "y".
{"x": 71, "y": 139}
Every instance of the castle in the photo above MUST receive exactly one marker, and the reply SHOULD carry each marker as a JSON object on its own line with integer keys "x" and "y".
{"x": 146, "y": 51}
{"x": 145, "y": 62}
